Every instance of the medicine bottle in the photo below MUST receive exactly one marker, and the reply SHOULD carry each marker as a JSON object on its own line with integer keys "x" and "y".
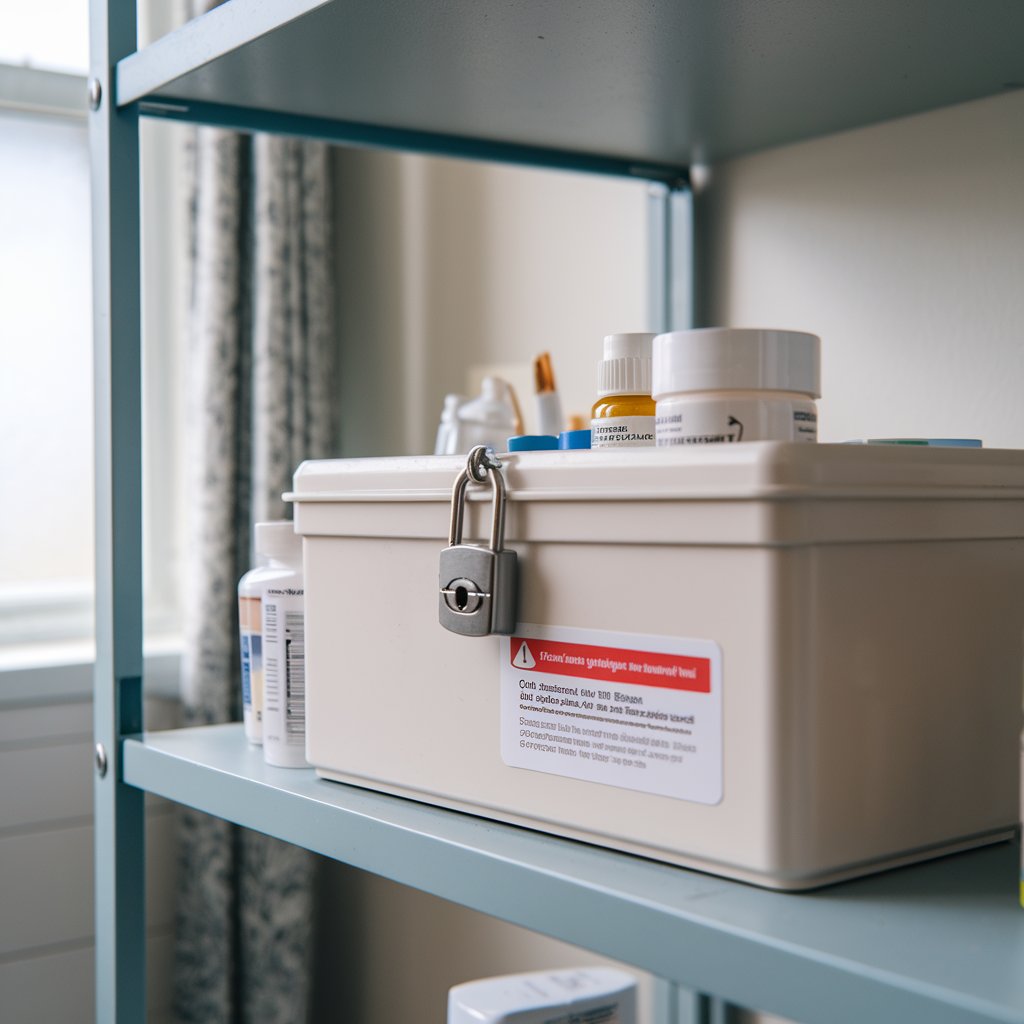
{"x": 490, "y": 418}
{"x": 268, "y": 538}
{"x": 445, "y": 442}
{"x": 623, "y": 415}
{"x": 736, "y": 384}
{"x": 284, "y": 654}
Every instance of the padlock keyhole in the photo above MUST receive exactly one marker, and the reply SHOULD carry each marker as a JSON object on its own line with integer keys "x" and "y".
{"x": 462, "y": 595}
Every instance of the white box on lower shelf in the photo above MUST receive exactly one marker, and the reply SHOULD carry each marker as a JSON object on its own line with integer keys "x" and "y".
{"x": 787, "y": 664}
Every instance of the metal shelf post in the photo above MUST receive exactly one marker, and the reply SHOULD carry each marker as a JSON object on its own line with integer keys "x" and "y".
{"x": 117, "y": 691}
{"x": 670, "y": 248}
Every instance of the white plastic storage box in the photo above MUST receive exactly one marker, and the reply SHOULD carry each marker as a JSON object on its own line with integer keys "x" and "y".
{"x": 788, "y": 664}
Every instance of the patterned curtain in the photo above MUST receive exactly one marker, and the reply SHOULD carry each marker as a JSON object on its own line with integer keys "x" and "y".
{"x": 261, "y": 334}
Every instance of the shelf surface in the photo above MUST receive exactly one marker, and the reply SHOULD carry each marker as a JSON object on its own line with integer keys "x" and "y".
{"x": 647, "y": 84}
{"x": 939, "y": 942}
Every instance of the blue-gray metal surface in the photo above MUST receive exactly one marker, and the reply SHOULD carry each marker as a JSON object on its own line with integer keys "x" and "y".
{"x": 941, "y": 942}
{"x": 676, "y": 1005}
{"x": 349, "y": 133}
{"x": 671, "y": 82}
{"x": 671, "y": 254}
{"x": 117, "y": 691}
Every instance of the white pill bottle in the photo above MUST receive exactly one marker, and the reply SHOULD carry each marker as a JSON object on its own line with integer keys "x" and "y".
{"x": 718, "y": 385}
{"x": 284, "y": 655}
{"x": 274, "y": 543}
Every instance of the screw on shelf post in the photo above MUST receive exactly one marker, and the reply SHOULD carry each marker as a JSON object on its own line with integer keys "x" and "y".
{"x": 95, "y": 94}
{"x": 101, "y": 760}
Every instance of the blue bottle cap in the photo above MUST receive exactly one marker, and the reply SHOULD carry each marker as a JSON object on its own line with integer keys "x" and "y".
{"x": 533, "y": 443}
{"x": 568, "y": 439}
{"x": 929, "y": 442}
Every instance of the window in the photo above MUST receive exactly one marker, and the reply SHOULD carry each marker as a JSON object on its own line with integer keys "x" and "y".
{"x": 48, "y": 34}
{"x": 46, "y": 525}
{"x": 46, "y": 458}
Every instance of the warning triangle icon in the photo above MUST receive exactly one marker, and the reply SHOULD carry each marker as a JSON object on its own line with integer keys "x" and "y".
{"x": 524, "y": 659}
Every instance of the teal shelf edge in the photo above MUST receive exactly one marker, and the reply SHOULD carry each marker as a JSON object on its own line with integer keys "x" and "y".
{"x": 656, "y": 83}
{"x": 368, "y": 136}
{"x": 941, "y": 942}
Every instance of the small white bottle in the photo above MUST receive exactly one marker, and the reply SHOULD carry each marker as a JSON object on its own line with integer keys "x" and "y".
{"x": 580, "y": 994}
{"x": 284, "y": 654}
{"x": 491, "y": 418}
{"x": 720, "y": 384}
{"x": 623, "y": 415}
{"x": 266, "y": 538}
{"x": 447, "y": 426}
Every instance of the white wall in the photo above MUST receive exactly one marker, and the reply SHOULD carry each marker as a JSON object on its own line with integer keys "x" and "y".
{"x": 902, "y": 245}
{"x": 446, "y": 268}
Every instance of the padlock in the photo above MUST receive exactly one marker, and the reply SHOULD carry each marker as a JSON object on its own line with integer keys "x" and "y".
{"x": 478, "y": 584}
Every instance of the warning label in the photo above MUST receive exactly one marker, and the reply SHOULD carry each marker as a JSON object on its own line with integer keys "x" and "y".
{"x": 635, "y": 711}
{"x": 614, "y": 665}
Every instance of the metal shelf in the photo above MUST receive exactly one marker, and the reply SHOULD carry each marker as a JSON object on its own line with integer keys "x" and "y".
{"x": 941, "y": 942}
{"x": 642, "y": 87}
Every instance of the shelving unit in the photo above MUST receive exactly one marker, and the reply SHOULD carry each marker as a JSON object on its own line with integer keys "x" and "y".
{"x": 641, "y": 89}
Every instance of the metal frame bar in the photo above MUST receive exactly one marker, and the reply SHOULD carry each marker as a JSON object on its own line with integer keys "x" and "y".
{"x": 676, "y": 1005}
{"x": 117, "y": 691}
{"x": 369, "y": 136}
{"x": 670, "y": 304}
{"x": 670, "y": 279}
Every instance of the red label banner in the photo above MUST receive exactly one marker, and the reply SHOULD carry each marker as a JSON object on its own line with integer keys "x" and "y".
{"x": 611, "y": 664}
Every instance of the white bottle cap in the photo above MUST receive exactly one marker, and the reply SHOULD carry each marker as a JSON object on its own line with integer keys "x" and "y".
{"x": 278, "y": 539}
{"x": 626, "y": 367}
{"x": 736, "y": 359}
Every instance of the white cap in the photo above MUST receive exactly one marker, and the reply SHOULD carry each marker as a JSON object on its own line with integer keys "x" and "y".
{"x": 734, "y": 358}
{"x": 626, "y": 367}
{"x": 278, "y": 539}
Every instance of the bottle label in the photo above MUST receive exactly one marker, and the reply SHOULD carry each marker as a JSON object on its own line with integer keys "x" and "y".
{"x": 284, "y": 667}
{"x": 721, "y": 421}
{"x": 622, "y": 432}
{"x": 637, "y": 711}
{"x": 251, "y": 671}
{"x": 250, "y": 645}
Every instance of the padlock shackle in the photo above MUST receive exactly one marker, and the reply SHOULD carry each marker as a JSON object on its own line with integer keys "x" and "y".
{"x": 458, "y": 508}
{"x": 497, "y": 510}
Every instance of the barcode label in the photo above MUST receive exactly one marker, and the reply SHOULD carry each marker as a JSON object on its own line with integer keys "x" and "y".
{"x": 295, "y": 674}
{"x": 284, "y": 672}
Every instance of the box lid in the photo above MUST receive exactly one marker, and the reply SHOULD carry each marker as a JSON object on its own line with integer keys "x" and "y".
{"x": 745, "y": 471}
{"x": 752, "y": 494}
